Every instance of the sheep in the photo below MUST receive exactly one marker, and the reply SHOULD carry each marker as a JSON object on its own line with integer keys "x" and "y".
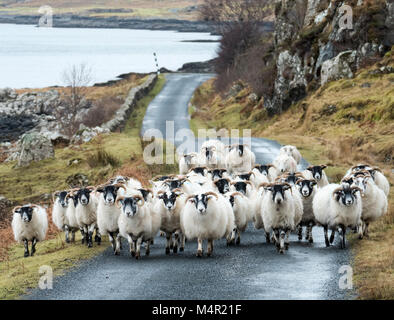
{"x": 278, "y": 213}
{"x": 285, "y": 163}
{"x": 221, "y": 185}
{"x": 170, "y": 206}
{"x": 86, "y": 216}
{"x": 59, "y": 218}
{"x": 212, "y": 154}
{"x": 377, "y": 175}
{"x": 29, "y": 223}
{"x": 186, "y": 162}
{"x": 137, "y": 223}
{"x": 72, "y": 223}
{"x": 337, "y": 206}
{"x": 240, "y": 208}
{"x": 291, "y": 151}
{"x": 317, "y": 173}
{"x": 374, "y": 201}
{"x": 253, "y": 199}
{"x": 107, "y": 212}
{"x": 207, "y": 216}
{"x": 307, "y": 189}
{"x": 214, "y": 174}
{"x": 268, "y": 170}
{"x": 240, "y": 159}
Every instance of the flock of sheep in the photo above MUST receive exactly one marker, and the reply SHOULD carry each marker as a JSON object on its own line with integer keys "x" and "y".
{"x": 217, "y": 192}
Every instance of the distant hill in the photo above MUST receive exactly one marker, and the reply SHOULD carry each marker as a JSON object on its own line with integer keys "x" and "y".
{"x": 144, "y": 9}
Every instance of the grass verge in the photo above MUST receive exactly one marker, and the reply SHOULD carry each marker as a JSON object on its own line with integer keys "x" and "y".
{"x": 106, "y": 155}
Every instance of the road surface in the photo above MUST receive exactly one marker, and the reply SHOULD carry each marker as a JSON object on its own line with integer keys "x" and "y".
{"x": 252, "y": 270}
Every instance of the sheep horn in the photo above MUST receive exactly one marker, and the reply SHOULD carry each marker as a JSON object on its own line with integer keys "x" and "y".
{"x": 237, "y": 194}
{"x": 117, "y": 201}
{"x": 141, "y": 198}
{"x": 264, "y": 185}
{"x": 356, "y": 188}
{"x": 54, "y": 195}
{"x": 120, "y": 185}
{"x": 210, "y": 193}
{"x": 16, "y": 208}
{"x": 377, "y": 169}
{"x": 91, "y": 188}
{"x": 189, "y": 197}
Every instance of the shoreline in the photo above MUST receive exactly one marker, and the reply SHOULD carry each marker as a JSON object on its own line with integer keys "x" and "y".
{"x": 114, "y": 22}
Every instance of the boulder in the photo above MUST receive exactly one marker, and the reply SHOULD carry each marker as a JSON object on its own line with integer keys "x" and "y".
{"x": 341, "y": 66}
{"x": 77, "y": 180}
{"x": 34, "y": 147}
{"x": 87, "y": 134}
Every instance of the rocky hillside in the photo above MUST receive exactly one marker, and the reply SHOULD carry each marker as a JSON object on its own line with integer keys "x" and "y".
{"x": 312, "y": 46}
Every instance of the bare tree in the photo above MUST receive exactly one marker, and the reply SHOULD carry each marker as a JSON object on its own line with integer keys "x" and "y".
{"x": 76, "y": 78}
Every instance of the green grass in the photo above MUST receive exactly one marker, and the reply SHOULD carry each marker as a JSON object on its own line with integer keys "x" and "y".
{"x": 99, "y": 159}
{"x": 19, "y": 274}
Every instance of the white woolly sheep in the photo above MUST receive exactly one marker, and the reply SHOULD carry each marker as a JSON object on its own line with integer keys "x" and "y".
{"x": 374, "y": 201}
{"x": 59, "y": 217}
{"x": 268, "y": 170}
{"x": 307, "y": 189}
{"x": 169, "y": 206}
{"x": 137, "y": 223}
{"x": 86, "y": 214}
{"x": 207, "y": 216}
{"x": 337, "y": 206}
{"x": 240, "y": 207}
{"x": 107, "y": 212}
{"x": 291, "y": 151}
{"x": 187, "y": 162}
{"x": 278, "y": 213}
{"x": 285, "y": 163}
{"x": 240, "y": 159}
{"x": 29, "y": 223}
{"x": 377, "y": 175}
{"x": 317, "y": 173}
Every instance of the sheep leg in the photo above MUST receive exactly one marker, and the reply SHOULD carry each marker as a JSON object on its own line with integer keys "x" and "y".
{"x": 147, "y": 248}
{"x": 90, "y": 235}
{"x": 97, "y": 237}
{"x": 267, "y": 237}
{"x": 282, "y": 242}
{"x": 366, "y": 231}
{"x": 287, "y": 241}
{"x": 73, "y": 235}
{"x": 111, "y": 239}
{"x": 361, "y": 230}
{"x": 299, "y": 232}
{"x": 131, "y": 245}
{"x": 83, "y": 234}
{"x": 343, "y": 240}
{"x": 117, "y": 245}
{"x": 176, "y": 242}
{"x": 199, "y": 248}
{"x": 326, "y": 236}
{"x": 310, "y": 236}
{"x": 67, "y": 233}
{"x": 138, "y": 249}
{"x": 238, "y": 241}
{"x": 275, "y": 235}
{"x": 26, "y": 244}
{"x": 183, "y": 239}
{"x": 169, "y": 239}
{"x": 210, "y": 247}
{"x": 332, "y": 237}
{"x": 33, "y": 246}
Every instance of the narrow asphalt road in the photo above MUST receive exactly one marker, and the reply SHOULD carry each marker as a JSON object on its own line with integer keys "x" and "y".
{"x": 252, "y": 270}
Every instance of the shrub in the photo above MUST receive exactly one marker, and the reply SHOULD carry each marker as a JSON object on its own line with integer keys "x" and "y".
{"x": 102, "y": 158}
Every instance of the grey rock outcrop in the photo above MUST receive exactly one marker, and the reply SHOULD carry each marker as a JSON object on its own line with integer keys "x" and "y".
{"x": 34, "y": 147}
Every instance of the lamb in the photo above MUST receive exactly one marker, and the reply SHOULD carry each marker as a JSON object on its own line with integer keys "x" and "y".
{"x": 187, "y": 162}
{"x": 207, "y": 216}
{"x": 170, "y": 206}
{"x": 317, "y": 173}
{"x": 240, "y": 159}
{"x": 291, "y": 151}
{"x": 278, "y": 213}
{"x": 59, "y": 218}
{"x": 240, "y": 208}
{"x": 374, "y": 201}
{"x": 108, "y": 213}
{"x": 86, "y": 216}
{"x": 337, "y": 206}
{"x": 268, "y": 170}
{"x": 307, "y": 189}
{"x": 137, "y": 223}
{"x": 377, "y": 175}
{"x": 285, "y": 163}
{"x": 29, "y": 223}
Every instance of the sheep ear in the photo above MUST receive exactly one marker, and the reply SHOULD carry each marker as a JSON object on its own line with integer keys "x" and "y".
{"x": 309, "y": 168}
{"x": 323, "y": 166}
{"x": 192, "y": 200}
